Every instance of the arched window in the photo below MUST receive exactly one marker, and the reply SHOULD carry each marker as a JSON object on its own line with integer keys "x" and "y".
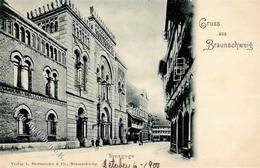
{"x": 83, "y": 38}
{"x": 122, "y": 94}
{"x": 27, "y": 76}
{"x": 51, "y": 28}
{"x": 98, "y": 74}
{"x": 87, "y": 41}
{"x": 51, "y": 125}
{"x": 77, "y": 32}
{"x": 22, "y": 120}
{"x": 17, "y": 71}
{"x": 107, "y": 78}
{"x": 107, "y": 87}
{"x": 85, "y": 73}
{"x": 38, "y": 43}
{"x": 48, "y": 83}
{"x": 55, "y": 54}
{"x": 27, "y": 37}
{"x": 78, "y": 68}
{"x": 63, "y": 58}
{"x": 56, "y": 26}
{"x": 74, "y": 29}
{"x": 51, "y": 86}
{"x": 16, "y": 31}
{"x": 98, "y": 83}
{"x": 9, "y": 26}
{"x": 59, "y": 56}
{"x": 43, "y": 46}
{"x": 119, "y": 93}
{"x": 47, "y": 49}
{"x": 22, "y": 71}
{"x": 77, "y": 55}
{"x": 119, "y": 87}
{"x": 22, "y": 32}
{"x": 55, "y": 82}
{"x": 102, "y": 72}
{"x": 33, "y": 41}
{"x": 80, "y": 35}
{"x": 48, "y": 28}
{"x": 51, "y": 52}
{"x": 43, "y": 28}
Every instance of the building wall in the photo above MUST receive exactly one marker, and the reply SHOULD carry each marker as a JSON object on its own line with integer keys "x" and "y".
{"x": 137, "y": 104}
{"x": 161, "y": 131}
{"x": 75, "y": 97}
{"x": 39, "y": 60}
{"x": 71, "y": 96}
{"x": 120, "y": 101}
{"x": 177, "y": 73}
{"x": 39, "y": 109}
{"x": 120, "y": 115}
{"x": 36, "y": 100}
{"x": 96, "y": 49}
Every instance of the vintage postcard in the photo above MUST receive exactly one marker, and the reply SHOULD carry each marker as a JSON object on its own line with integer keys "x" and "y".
{"x": 129, "y": 83}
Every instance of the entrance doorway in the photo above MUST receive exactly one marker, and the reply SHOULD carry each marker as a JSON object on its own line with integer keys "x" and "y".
{"x": 105, "y": 127}
{"x": 81, "y": 127}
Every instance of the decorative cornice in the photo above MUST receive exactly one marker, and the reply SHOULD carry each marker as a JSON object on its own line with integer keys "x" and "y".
{"x": 29, "y": 94}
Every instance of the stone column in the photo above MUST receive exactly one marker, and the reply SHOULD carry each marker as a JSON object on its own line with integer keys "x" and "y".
{"x": 79, "y": 71}
{"x": 84, "y": 129}
{"x": 20, "y": 125}
{"x": 110, "y": 133}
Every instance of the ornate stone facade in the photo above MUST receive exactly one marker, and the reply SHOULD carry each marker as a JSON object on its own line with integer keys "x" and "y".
{"x": 57, "y": 63}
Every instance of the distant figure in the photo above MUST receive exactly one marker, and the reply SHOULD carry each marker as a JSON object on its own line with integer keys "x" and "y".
{"x": 92, "y": 142}
{"x": 97, "y": 144}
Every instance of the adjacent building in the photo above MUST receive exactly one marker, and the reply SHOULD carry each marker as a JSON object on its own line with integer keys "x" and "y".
{"x": 177, "y": 72}
{"x": 60, "y": 71}
{"x": 161, "y": 128}
{"x": 138, "y": 116}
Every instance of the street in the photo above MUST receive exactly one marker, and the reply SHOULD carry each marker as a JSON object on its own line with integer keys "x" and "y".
{"x": 132, "y": 155}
